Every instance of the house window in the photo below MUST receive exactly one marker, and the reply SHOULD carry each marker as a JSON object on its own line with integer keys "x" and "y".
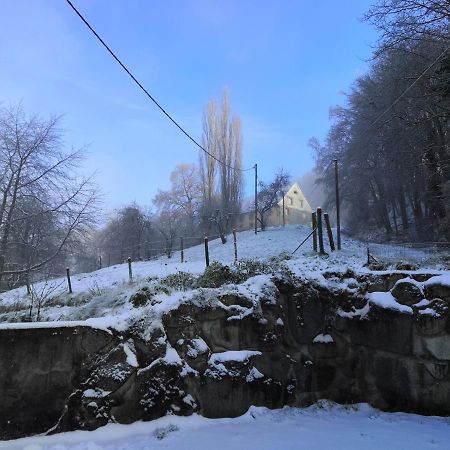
{"x": 295, "y": 192}
{"x": 301, "y": 203}
{"x": 291, "y": 201}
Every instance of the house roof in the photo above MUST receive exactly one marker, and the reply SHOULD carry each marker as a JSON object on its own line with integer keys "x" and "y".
{"x": 294, "y": 198}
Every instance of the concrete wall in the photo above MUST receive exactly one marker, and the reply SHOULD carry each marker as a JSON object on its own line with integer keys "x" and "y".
{"x": 80, "y": 378}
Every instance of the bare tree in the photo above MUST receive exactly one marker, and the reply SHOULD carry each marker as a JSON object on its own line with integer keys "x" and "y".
{"x": 169, "y": 225}
{"x": 269, "y": 195}
{"x": 402, "y": 23}
{"x": 184, "y": 194}
{"x": 127, "y": 233}
{"x": 44, "y": 205}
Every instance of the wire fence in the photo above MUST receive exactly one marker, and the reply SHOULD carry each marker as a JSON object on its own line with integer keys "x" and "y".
{"x": 149, "y": 250}
{"x": 431, "y": 253}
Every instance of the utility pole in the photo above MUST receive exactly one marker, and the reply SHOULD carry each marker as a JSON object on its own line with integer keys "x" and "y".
{"x": 256, "y": 198}
{"x": 284, "y": 219}
{"x": 338, "y": 207}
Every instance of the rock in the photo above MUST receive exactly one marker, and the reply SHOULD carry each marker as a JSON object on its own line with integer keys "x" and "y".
{"x": 438, "y": 287}
{"x": 438, "y": 347}
{"x": 378, "y": 266}
{"x": 307, "y": 343}
{"x": 41, "y": 368}
{"x": 233, "y": 299}
{"x": 406, "y": 265}
{"x": 431, "y": 319}
{"x": 382, "y": 282}
{"x": 407, "y": 291}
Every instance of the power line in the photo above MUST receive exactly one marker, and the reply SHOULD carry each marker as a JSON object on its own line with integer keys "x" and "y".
{"x": 409, "y": 87}
{"x": 149, "y": 95}
{"x": 400, "y": 97}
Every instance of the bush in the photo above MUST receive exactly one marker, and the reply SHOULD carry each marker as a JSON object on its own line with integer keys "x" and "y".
{"x": 249, "y": 268}
{"x": 140, "y": 298}
{"x": 180, "y": 281}
{"x": 216, "y": 275}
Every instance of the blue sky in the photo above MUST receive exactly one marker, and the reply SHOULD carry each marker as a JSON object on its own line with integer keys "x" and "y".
{"x": 285, "y": 64}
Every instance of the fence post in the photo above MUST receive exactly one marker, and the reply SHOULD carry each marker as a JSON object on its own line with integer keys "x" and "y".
{"x": 28, "y": 284}
{"x": 182, "y": 249}
{"x": 314, "y": 226}
{"x": 320, "y": 230}
{"x": 235, "y": 244}
{"x": 68, "y": 280}
{"x": 368, "y": 256}
{"x": 100, "y": 262}
{"x": 206, "y": 251}
{"x": 130, "y": 272}
{"x": 329, "y": 232}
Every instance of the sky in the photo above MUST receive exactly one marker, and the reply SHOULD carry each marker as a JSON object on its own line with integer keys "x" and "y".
{"x": 284, "y": 63}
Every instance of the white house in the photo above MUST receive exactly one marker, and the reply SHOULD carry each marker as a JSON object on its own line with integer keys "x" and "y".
{"x": 297, "y": 210}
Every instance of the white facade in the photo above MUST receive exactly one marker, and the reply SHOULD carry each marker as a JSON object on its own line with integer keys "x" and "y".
{"x": 297, "y": 210}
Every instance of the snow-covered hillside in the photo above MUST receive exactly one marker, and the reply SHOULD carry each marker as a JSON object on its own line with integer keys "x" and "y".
{"x": 104, "y": 293}
{"x": 321, "y": 426}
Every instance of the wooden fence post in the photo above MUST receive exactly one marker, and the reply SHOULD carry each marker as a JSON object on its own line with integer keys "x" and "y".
{"x": 314, "y": 226}
{"x": 329, "y": 232}
{"x": 320, "y": 230}
{"x": 235, "y": 245}
{"x": 182, "y": 249}
{"x": 100, "y": 262}
{"x": 130, "y": 272}
{"x": 206, "y": 251}
{"x": 68, "y": 280}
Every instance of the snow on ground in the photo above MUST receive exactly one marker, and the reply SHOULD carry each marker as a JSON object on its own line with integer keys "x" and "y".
{"x": 101, "y": 297}
{"x": 322, "y": 426}
{"x": 266, "y": 244}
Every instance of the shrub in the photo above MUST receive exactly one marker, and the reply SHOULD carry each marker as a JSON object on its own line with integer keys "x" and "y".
{"x": 216, "y": 275}
{"x": 249, "y": 268}
{"x": 140, "y": 298}
{"x": 180, "y": 281}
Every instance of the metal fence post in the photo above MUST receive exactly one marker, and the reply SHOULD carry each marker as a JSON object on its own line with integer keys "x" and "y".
{"x": 130, "y": 272}
{"x": 235, "y": 245}
{"x": 320, "y": 230}
{"x": 329, "y": 232}
{"x": 68, "y": 280}
{"x": 206, "y": 251}
{"x": 314, "y": 227}
{"x": 182, "y": 249}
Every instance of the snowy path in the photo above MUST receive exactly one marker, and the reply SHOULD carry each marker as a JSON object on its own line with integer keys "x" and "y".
{"x": 321, "y": 426}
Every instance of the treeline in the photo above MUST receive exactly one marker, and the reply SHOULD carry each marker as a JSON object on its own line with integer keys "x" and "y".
{"x": 49, "y": 214}
{"x": 392, "y": 137}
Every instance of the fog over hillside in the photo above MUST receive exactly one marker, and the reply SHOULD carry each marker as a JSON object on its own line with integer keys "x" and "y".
{"x": 313, "y": 192}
